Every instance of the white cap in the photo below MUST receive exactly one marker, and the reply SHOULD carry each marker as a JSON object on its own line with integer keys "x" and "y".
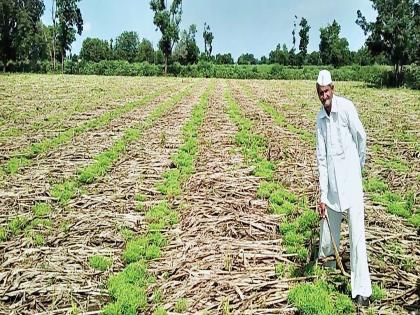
{"x": 324, "y": 78}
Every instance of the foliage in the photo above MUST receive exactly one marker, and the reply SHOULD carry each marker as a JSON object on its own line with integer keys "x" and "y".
{"x": 304, "y": 40}
{"x": 146, "y": 52}
{"x": 21, "y": 30}
{"x": 186, "y": 50}
{"x": 167, "y": 20}
{"x": 247, "y": 59}
{"x": 127, "y": 46}
{"x": 95, "y": 49}
{"x": 280, "y": 55}
{"x": 396, "y": 32}
{"x": 333, "y": 49}
{"x": 208, "y": 40}
{"x": 224, "y": 59}
{"x": 70, "y": 21}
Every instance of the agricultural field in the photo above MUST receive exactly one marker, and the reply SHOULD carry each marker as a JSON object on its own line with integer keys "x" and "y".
{"x": 125, "y": 195}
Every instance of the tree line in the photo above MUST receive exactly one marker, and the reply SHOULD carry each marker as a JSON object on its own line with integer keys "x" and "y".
{"x": 393, "y": 38}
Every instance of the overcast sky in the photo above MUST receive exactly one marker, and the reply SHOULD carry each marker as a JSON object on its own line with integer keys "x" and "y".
{"x": 238, "y": 26}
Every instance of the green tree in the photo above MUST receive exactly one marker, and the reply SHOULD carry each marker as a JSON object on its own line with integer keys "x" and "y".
{"x": 186, "y": 50}
{"x": 146, "y": 51}
{"x": 159, "y": 57}
{"x": 70, "y": 21}
{"x": 127, "y": 46}
{"x": 94, "y": 49}
{"x": 208, "y": 40}
{"x": 333, "y": 49}
{"x": 224, "y": 59}
{"x": 314, "y": 58}
{"x": 20, "y": 30}
{"x": 280, "y": 55}
{"x": 304, "y": 40}
{"x": 167, "y": 21}
{"x": 263, "y": 60}
{"x": 247, "y": 59}
{"x": 363, "y": 57}
{"x": 396, "y": 32}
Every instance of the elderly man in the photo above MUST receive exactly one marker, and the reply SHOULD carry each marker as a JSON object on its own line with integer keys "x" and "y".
{"x": 341, "y": 143}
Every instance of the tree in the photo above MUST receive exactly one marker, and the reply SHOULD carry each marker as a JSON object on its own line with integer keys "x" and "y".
{"x": 224, "y": 59}
{"x": 304, "y": 40}
{"x": 363, "y": 57}
{"x": 396, "y": 32}
{"x": 263, "y": 60}
{"x": 280, "y": 55}
{"x": 127, "y": 46}
{"x": 167, "y": 21}
{"x": 94, "y": 49}
{"x": 314, "y": 58}
{"x": 20, "y": 30}
{"x": 186, "y": 50}
{"x": 333, "y": 49}
{"x": 146, "y": 51}
{"x": 159, "y": 57}
{"x": 208, "y": 40}
{"x": 247, "y": 59}
{"x": 70, "y": 21}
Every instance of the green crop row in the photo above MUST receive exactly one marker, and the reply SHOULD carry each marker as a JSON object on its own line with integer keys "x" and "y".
{"x": 69, "y": 188}
{"x": 35, "y": 227}
{"x": 397, "y": 204}
{"x": 23, "y": 157}
{"x": 279, "y": 118}
{"x": 186, "y": 154}
{"x": 128, "y": 288}
{"x": 65, "y": 191}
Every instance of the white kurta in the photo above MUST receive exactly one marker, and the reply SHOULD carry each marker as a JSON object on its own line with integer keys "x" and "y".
{"x": 341, "y": 144}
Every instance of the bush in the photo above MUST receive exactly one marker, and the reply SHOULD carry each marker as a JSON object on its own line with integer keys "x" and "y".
{"x": 376, "y": 74}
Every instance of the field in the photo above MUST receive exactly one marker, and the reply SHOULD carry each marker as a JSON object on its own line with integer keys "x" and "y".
{"x": 154, "y": 195}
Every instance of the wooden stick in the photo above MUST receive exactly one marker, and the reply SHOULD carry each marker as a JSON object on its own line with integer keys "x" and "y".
{"x": 337, "y": 255}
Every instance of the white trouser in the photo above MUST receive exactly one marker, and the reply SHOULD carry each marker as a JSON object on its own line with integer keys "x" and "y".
{"x": 360, "y": 277}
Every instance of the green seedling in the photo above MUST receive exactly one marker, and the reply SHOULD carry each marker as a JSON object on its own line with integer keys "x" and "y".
{"x": 41, "y": 209}
{"x": 181, "y": 305}
{"x": 157, "y": 296}
{"x": 375, "y": 185}
{"x": 4, "y": 234}
{"x": 65, "y": 192}
{"x": 378, "y": 293}
{"x": 140, "y": 197}
{"x": 17, "y": 225}
{"x": 100, "y": 262}
{"x": 128, "y": 288}
{"x": 160, "y": 311}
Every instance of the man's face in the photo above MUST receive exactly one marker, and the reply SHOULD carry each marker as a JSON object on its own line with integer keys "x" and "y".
{"x": 325, "y": 94}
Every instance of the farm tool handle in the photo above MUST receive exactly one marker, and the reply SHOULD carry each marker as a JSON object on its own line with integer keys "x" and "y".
{"x": 336, "y": 253}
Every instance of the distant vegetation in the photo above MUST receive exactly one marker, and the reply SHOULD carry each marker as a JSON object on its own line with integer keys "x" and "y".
{"x": 27, "y": 45}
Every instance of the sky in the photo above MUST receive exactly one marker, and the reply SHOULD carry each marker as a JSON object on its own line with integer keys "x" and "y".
{"x": 238, "y": 26}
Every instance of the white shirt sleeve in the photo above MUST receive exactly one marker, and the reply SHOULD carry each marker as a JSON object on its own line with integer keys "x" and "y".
{"x": 321, "y": 155}
{"x": 358, "y": 133}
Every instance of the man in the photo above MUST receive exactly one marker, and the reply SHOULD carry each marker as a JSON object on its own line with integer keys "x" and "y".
{"x": 341, "y": 143}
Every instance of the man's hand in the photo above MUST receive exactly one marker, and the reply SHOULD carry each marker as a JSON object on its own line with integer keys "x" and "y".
{"x": 322, "y": 209}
